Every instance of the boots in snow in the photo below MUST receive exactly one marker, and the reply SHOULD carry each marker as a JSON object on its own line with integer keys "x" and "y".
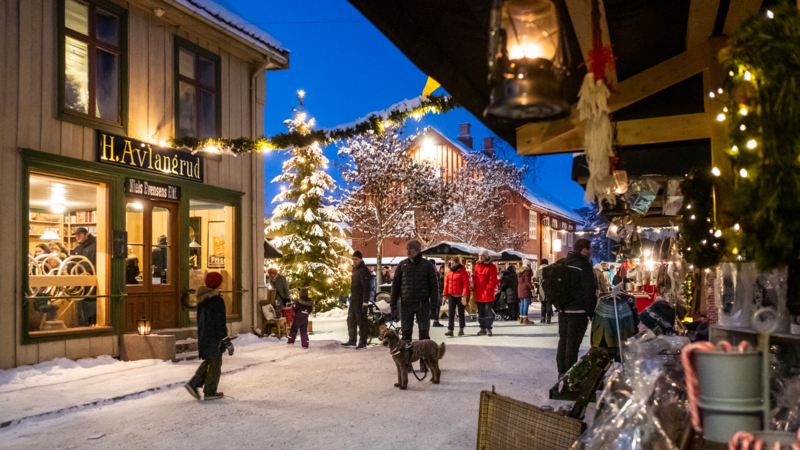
{"x": 548, "y": 318}
{"x": 544, "y": 318}
{"x": 525, "y": 321}
{"x": 461, "y": 332}
{"x": 449, "y": 333}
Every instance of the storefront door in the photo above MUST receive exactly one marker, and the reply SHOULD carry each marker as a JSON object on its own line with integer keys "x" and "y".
{"x": 151, "y": 269}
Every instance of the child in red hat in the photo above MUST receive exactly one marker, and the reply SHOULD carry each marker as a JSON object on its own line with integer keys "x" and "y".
{"x": 211, "y": 330}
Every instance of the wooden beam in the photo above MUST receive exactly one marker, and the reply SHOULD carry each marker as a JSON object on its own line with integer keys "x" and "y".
{"x": 634, "y": 132}
{"x": 702, "y": 15}
{"x": 532, "y": 137}
{"x": 580, "y": 13}
{"x": 738, "y": 11}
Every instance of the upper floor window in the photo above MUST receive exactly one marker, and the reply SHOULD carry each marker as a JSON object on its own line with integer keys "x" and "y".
{"x": 555, "y": 224}
{"x": 93, "y": 39}
{"x": 532, "y": 224}
{"x": 197, "y": 73}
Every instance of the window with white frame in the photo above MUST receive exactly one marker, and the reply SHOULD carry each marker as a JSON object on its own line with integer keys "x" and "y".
{"x": 532, "y": 224}
{"x": 546, "y": 230}
{"x": 555, "y": 224}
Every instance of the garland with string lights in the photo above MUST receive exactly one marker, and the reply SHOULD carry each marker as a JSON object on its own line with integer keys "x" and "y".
{"x": 436, "y": 104}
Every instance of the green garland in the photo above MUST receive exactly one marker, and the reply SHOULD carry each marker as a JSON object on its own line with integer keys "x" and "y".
{"x": 437, "y": 104}
{"x": 703, "y": 241}
{"x": 764, "y": 61}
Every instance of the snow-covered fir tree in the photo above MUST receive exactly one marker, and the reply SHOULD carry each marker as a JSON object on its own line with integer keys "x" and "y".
{"x": 315, "y": 253}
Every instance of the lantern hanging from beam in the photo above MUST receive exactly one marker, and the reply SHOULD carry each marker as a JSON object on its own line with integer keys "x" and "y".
{"x": 525, "y": 68}
{"x": 143, "y": 326}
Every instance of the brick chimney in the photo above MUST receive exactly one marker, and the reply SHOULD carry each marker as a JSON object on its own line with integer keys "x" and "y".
{"x": 464, "y": 136}
{"x": 488, "y": 147}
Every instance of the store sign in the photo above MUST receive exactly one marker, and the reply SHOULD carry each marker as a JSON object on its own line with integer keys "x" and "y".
{"x": 152, "y": 190}
{"x": 133, "y": 154}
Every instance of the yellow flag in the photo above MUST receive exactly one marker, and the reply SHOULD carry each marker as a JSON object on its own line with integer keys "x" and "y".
{"x": 430, "y": 86}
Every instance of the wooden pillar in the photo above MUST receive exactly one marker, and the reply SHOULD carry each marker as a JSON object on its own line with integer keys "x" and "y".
{"x": 713, "y": 78}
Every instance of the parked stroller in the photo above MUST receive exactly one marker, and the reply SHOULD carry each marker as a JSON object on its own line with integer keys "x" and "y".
{"x": 500, "y": 308}
{"x": 379, "y": 317}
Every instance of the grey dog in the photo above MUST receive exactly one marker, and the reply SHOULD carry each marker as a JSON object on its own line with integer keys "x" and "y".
{"x": 430, "y": 352}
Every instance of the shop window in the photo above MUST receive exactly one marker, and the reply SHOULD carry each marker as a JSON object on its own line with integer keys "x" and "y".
{"x": 211, "y": 248}
{"x": 532, "y": 224}
{"x": 68, "y": 267}
{"x": 197, "y": 81}
{"x": 92, "y": 62}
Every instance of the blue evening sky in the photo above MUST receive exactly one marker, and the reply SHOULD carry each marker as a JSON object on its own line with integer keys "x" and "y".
{"x": 349, "y": 69}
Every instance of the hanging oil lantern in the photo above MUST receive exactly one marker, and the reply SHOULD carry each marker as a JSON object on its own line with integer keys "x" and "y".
{"x": 525, "y": 69}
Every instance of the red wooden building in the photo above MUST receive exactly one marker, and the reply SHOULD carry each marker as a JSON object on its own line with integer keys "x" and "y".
{"x": 543, "y": 217}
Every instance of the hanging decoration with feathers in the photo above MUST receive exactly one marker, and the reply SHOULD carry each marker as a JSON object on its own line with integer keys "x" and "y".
{"x": 593, "y": 109}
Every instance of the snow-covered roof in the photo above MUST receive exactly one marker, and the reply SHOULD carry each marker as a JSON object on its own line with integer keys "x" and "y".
{"x": 213, "y": 11}
{"x": 461, "y": 247}
{"x": 520, "y": 254}
{"x": 395, "y": 260}
{"x": 458, "y": 145}
{"x": 546, "y": 201}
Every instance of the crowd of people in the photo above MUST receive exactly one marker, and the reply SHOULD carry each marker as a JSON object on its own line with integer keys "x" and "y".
{"x": 419, "y": 292}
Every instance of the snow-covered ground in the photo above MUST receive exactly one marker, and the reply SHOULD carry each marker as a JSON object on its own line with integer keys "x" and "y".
{"x": 278, "y": 397}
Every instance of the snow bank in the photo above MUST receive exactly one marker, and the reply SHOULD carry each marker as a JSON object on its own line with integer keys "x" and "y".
{"x": 61, "y": 370}
{"x": 246, "y": 339}
{"x": 334, "y": 314}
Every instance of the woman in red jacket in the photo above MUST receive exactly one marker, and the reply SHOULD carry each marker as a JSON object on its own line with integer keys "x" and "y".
{"x": 484, "y": 280}
{"x": 456, "y": 290}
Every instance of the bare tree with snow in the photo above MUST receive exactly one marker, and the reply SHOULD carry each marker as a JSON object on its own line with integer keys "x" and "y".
{"x": 384, "y": 186}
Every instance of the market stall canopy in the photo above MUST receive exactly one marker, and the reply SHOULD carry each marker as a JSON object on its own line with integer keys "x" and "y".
{"x": 271, "y": 252}
{"x": 457, "y": 248}
{"x": 394, "y": 260}
{"x": 659, "y": 46}
{"x": 510, "y": 254}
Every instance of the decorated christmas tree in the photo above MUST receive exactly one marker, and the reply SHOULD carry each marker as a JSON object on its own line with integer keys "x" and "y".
{"x": 315, "y": 253}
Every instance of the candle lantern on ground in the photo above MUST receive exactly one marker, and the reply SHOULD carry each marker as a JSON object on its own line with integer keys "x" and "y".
{"x": 143, "y": 326}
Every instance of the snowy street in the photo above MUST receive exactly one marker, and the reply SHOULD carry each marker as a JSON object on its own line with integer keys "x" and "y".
{"x": 280, "y": 397}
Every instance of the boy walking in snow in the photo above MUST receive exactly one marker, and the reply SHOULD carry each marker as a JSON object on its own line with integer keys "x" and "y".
{"x": 211, "y": 330}
{"x": 302, "y": 309}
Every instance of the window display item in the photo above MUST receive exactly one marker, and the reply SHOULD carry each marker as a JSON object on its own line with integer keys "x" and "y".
{"x": 641, "y": 193}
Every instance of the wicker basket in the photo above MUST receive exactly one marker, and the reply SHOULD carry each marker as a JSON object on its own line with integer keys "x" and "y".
{"x": 505, "y": 424}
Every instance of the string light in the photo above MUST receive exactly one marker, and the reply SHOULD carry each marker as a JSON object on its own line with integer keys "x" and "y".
{"x": 704, "y": 241}
{"x": 688, "y": 206}
{"x": 692, "y": 217}
{"x": 751, "y": 144}
{"x": 719, "y": 91}
{"x": 710, "y": 95}
{"x": 747, "y": 75}
{"x": 734, "y": 149}
{"x": 716, "y": 171}
{"x": 730, "y": 73}
{"x": 736, "y": 227}
{"x": 725, "y": 109}
{"x": 742, "y": 127}
{"x": 743, "y": 111}
{"x": 718, "y": 233}
{"x": 743, "y": 173}
{"x": 691, "y": 266}
{"x": 770, "y": 15}
{"x": 688, "y": 249}
{"x": 720, "y": 117}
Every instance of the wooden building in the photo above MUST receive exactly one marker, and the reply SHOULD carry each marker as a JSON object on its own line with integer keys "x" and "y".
{"x": 543, "y": 217}
{"x": 91, "y": 92}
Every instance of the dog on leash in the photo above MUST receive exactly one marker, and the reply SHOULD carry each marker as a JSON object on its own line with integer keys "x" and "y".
{"x": 428, "y": 351}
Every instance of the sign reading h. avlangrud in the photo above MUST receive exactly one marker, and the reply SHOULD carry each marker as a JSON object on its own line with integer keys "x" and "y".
{"x": 133, "y": 154}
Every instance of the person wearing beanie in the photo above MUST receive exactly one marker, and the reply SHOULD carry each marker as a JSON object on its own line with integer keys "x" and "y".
{"x": 484, "y": 280}
{"x": 302, "y": 308}
{"x": 547, "y": 307}
{"x": 525, "y": 290}
{"x": 659, "y": 318}
{"x": 456, "y": 291}
{"x": 211, "y": 330}
{"x": 278, "y": 282}
{"x": 416, "y": 287}
{"x": 360, "y": 289}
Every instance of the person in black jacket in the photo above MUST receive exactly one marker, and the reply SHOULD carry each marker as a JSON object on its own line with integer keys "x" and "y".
{"x": 211, "y": 330}
{"x": 573, "y": 317}
{"x": 360, "y": 290}
{"x": 509, "y": 284}
{"x": 416, "y": 286}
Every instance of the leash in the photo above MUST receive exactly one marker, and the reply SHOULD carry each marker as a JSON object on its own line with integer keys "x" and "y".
{"x": 402, "y": 349}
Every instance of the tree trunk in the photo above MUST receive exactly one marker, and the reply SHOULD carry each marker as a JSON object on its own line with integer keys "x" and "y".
{"x": 378, "y": 266}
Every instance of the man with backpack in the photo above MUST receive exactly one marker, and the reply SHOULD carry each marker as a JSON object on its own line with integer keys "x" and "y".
{"x": 571, "y": 286}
